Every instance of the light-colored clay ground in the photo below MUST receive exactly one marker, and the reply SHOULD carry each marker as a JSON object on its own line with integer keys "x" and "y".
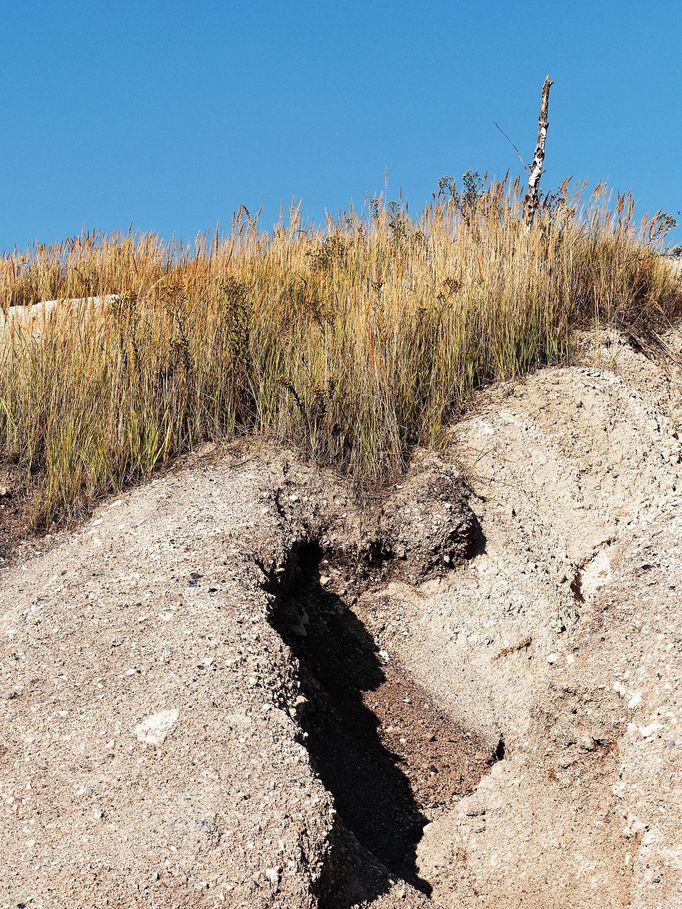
{"x": 151, "y": 744}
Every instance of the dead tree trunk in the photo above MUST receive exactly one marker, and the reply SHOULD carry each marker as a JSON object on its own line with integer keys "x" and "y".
{"x": 532, "y": 199}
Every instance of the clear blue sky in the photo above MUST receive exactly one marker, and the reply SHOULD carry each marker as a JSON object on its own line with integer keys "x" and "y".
{"x": 168, "y": 115}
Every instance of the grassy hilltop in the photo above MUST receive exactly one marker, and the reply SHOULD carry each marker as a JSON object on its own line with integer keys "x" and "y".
{"x": 354, "y": 341}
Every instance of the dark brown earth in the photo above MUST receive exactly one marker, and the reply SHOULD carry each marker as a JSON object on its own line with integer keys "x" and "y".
{"x": 14, "y": 523}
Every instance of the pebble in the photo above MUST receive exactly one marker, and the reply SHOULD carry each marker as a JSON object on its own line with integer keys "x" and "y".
{"x": 155, "y": 729}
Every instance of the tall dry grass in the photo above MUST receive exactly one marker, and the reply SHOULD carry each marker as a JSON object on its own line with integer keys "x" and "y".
{"x": 353, "y": 342}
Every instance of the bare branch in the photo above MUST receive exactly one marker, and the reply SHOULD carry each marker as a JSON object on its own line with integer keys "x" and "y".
{"x": 525, "y": 166}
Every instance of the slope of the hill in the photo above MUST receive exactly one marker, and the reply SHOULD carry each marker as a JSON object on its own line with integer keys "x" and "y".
{"x": 232, "y": 688}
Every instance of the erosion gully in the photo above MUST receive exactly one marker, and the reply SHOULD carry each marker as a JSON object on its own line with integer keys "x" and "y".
{"x": 386, "y": 751}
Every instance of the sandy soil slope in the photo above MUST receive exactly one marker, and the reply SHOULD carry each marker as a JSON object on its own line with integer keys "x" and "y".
{"x": 145, "y": 733}
{"x": 234, "y": 688}
{"x": 563, "y": 638}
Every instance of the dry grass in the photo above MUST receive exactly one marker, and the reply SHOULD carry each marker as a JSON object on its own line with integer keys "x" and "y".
{"x": 354, "y": 342}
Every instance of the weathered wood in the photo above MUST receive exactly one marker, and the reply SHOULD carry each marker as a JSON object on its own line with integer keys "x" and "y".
{"x": 532, "y": 199}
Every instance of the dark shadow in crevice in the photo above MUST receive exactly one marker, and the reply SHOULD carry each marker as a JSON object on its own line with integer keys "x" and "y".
{"x": 477, "y": 539}
{"x": 338, "y": 662}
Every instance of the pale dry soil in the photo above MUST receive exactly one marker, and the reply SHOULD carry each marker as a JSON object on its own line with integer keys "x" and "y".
{"x": 236, "y": 687}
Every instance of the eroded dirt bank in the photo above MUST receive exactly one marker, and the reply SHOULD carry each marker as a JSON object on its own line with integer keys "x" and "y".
{"x": 233, "y": 688}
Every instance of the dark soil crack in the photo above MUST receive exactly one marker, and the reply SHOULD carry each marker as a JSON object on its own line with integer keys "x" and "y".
{"x": 379, "y": 743}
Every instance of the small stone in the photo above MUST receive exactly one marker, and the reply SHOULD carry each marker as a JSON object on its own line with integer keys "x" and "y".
{"x": 155, "y": 729}
{"x": 272, "y": 874}
{"x": 587, "y": 743}
{"x": 552, "y": 658}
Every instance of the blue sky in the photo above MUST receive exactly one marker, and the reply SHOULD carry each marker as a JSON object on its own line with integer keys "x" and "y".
{"x": 169, "y": 115}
